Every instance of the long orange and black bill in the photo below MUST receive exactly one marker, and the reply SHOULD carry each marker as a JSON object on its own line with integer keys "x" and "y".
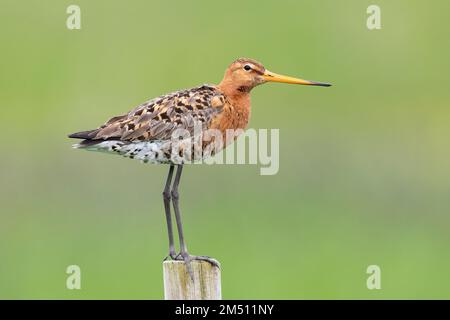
{"x": 273, "y": 77}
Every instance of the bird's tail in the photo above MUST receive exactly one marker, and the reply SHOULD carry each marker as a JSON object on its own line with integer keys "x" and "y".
{"x": 90, "y": 134}
{"x": 87, "y": 136}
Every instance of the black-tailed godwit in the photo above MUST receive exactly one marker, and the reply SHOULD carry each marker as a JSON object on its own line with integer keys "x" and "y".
{"x": 147, "y": 132}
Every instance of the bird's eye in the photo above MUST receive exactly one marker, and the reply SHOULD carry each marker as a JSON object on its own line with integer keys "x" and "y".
{"x": 247, "y": 67}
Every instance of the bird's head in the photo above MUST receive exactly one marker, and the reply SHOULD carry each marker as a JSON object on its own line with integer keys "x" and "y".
{"x": 244, "y": 74}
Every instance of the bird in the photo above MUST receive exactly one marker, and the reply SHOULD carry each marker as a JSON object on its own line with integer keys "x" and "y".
{"x": 147, "y": 132}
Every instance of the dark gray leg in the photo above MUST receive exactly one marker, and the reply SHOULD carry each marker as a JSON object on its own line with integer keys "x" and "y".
{"x": 183, "y": 248}
{"x": 166, "y": 197}
{"x": 176, "y": 197}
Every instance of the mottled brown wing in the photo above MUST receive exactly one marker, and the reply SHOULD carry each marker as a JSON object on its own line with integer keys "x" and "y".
{"x": 158, "y": 118}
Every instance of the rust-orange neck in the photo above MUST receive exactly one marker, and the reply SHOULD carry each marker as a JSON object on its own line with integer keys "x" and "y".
{"x": 239, "y": 95}
{"x": 236, "y": 114}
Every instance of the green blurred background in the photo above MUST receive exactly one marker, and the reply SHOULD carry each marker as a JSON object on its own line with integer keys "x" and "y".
{"x": 364, "y": 171}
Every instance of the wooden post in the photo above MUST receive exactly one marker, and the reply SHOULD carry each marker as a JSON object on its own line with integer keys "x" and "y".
{"x": 178, "y": 285}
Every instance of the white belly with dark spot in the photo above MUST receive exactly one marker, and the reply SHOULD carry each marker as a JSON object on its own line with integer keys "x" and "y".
{"x": 155, "y": 152}
{"x": 146, "y": 151}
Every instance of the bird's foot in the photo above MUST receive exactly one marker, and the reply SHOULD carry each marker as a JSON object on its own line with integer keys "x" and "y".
{"x": 187, "y": 258}
{"x": 172, "y": 256}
